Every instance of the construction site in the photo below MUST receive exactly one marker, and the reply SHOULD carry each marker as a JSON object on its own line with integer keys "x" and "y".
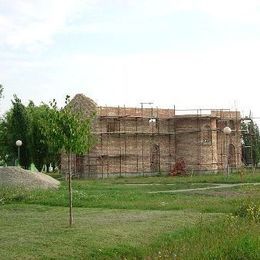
{"x": 150, "y": 141}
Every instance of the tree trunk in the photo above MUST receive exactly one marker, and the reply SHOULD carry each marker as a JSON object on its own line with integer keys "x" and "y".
{"x": 70, "y": 192}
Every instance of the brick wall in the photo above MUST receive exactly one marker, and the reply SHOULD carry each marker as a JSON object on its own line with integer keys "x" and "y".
{"x": 129, "y": 142}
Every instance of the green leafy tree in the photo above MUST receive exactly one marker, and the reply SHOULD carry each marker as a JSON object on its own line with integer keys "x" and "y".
{"x": 251, "y": 143}
{"x": 3, "y": 133}
{"x": 41, "y": 151}
{"x": 4, "y": 151}
{"x": 69, "y": 131}
{"x": 17, "y": 126}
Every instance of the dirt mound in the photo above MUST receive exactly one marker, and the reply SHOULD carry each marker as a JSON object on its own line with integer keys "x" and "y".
{"x": 16, "y": 176}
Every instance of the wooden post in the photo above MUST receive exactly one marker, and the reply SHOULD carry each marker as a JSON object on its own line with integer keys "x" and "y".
{"x": 70, "y": 193}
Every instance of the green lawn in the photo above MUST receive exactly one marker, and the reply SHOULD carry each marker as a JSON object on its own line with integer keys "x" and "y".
{"x": 120, "y": 218}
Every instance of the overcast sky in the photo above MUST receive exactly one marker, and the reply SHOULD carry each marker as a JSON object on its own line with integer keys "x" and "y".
{"x": 187, "y": 53}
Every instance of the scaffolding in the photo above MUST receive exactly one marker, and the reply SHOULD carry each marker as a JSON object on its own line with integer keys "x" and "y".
{"x": 147, "y": 141}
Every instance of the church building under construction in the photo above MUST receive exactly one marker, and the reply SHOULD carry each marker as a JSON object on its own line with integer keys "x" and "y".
{"x": 146, "y": 141}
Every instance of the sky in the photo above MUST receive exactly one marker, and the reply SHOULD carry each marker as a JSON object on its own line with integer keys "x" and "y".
{"x": 183, "y": 53}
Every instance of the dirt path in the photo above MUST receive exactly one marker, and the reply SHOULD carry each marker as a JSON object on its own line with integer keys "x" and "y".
{"x": 218, "y": 186}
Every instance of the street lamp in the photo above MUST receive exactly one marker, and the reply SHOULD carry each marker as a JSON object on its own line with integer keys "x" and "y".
{"x": 152, "y": 121}
{"x": 18, "y": 144}
{"x": 227, "y": 131}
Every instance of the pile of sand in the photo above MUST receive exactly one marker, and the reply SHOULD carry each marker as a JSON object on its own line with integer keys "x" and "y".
{"x": 16, "y": 176}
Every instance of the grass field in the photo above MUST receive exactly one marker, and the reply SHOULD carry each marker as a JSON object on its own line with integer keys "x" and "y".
{"x": 121, "y": 219}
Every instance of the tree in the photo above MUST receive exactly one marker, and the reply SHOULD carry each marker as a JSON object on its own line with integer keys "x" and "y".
{"x": 42, "y": 151}
{"x": 69, "y": 130}
{"x": 17, "y": 126}
{"x": 4, "y": 151}
{"x": 251, "y": 143}
{"x": 1, "y": 91}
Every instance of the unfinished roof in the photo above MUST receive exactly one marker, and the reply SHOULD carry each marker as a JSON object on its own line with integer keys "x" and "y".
{"x": 85, "y": 104}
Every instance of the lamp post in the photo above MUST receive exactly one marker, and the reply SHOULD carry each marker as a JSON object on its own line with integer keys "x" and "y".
{"x": 227, "y": 131}
{"x": 18, "y": 144}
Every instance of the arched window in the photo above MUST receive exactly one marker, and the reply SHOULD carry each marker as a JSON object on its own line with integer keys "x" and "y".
{"x": 155, "y": 158}
{"x": 232, "y": 155}
{"x": 113, "y": 125}
{"x": 232, "y": 124}
{"x": 206, "y": 134}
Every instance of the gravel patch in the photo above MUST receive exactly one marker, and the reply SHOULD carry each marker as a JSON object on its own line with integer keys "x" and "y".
{"x": 16, "y": 176}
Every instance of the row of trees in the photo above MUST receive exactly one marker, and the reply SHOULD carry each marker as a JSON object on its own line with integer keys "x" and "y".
{"x": 26, "y": 123}
{"x": 45, "y": 131}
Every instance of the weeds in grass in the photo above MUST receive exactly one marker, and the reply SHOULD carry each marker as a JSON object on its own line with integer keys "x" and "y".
{"x": 249, "y": 210}
{"x": 13, "y": 194}
{"x": 229, "y": 238}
